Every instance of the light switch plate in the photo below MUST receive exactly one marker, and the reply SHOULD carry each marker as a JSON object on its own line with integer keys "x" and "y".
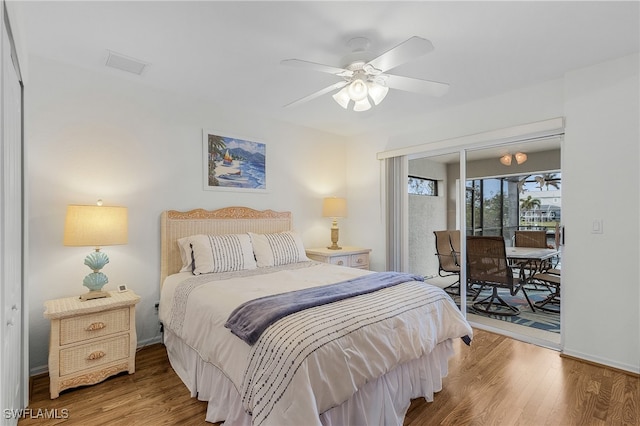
{"x": 596, "y": 226}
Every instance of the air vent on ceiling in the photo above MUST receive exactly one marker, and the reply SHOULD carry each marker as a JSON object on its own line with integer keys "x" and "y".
{"x": 125, "y": 63}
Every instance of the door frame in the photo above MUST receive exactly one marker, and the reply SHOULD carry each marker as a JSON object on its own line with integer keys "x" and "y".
{"x": 526, "y": 133}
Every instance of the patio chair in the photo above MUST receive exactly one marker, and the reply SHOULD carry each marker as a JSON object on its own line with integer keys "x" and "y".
{"x": 537, "y": 239}
{"x": 552, "y": 278}
{"x": 447, "y": 259}
{"x": 454, "y": 237}
{"x": 487, "y": 266}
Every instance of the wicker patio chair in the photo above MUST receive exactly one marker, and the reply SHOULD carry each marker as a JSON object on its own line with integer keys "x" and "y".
{"x": 487, "y": 266}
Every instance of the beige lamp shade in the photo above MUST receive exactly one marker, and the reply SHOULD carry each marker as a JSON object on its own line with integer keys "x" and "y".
{"x": 334, "y": 207}
{"x": 95, "y": 226}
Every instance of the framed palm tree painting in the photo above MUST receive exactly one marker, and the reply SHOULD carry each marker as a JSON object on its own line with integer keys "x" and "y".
{"x": 233, "y": 163}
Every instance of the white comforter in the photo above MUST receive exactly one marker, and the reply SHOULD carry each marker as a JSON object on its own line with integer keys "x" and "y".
{"x": 196, "y": 308}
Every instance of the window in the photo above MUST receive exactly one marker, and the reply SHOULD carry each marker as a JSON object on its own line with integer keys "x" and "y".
{"x": 487, "y": 207}
{"x": 423, "y": 186}
{"x": 540, "y": 201}
{"x": 498, "y": 206}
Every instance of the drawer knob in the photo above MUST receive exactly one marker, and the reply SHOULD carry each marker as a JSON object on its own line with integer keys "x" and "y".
{"x": 359, "y": 260}
{"x": 96, "y": 326}
{"x": 95, "y": 355}
{"x": 340, "y": 262}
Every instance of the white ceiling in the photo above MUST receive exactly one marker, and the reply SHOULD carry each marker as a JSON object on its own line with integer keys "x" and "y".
{"x": 230, "y": 52}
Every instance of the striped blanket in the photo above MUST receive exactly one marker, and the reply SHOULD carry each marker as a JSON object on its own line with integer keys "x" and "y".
{"x": 280, "y": 352}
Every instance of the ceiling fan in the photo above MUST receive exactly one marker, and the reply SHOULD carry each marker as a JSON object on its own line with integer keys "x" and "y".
{"x": 363, "y": 80}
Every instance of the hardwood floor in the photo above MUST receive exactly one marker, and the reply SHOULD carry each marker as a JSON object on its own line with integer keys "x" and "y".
{"x": 497, "y": 381}
{"x": 501, "y": 381}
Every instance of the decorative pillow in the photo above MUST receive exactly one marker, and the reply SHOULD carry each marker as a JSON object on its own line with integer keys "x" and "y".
{"x": 221, "y": 253}
{"x": 277, "y": 249}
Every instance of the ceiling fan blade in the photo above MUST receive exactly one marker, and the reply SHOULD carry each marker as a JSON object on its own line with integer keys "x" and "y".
{"x": 298, "y": 63}
{"x": 404, "y": 52}
{"x": 424, "y": 87}
{"x": 336, "y": 86}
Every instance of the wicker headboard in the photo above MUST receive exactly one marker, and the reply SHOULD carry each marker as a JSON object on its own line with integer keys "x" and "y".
{"x": 229, "y": 220}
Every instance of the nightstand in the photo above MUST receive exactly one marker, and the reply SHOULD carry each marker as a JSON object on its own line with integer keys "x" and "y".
{"x": 90, "y": 340}
{"x": 354, "y": 257}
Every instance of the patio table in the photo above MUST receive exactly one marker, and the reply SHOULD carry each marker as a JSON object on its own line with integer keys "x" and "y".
{"x": 531, "y": 256}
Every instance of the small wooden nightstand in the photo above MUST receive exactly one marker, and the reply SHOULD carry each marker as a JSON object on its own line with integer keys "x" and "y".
{"x": 90, "y": 340}
{"x": 354, "y": 257}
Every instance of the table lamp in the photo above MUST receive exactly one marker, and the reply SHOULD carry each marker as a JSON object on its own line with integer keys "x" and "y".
{"x": 95, "y": 226}
{"x": 334, "y": 208}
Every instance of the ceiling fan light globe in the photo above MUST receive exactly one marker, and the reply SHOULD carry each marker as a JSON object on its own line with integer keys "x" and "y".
{"x": 358, "y": 90}
{"x": 377, "y": 92}
{"x": 342, "y": 98}
{"x": 362, "y": 105}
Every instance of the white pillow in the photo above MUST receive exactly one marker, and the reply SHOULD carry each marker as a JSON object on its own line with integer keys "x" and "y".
{"x": 184, "y": 246}
{"x": 221, "y": 253}
{"x": 276, "y": 249}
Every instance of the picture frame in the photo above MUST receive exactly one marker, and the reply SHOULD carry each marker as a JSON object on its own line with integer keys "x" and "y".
{"x": 233, "y": 163}
{"x": 122, "y": 288}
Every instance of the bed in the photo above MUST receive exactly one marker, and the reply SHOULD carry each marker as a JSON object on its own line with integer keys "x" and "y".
{"x": 355, "y": 359}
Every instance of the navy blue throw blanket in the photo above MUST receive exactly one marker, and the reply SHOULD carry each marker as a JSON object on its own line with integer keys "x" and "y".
{"x": 250, "y": 319}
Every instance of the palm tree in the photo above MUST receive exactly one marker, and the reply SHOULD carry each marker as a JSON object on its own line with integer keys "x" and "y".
{"x": 548, "y": 179}
{"x": 216, "y": 147}
{"x": 521, "y": 183}
{"x": 529, "y": 203}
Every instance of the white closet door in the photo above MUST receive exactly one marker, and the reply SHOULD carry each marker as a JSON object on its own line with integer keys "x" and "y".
{"x": 11, "y": 330}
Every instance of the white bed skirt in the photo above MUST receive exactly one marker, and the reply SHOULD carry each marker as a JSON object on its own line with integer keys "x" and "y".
{"x": 384, "y": 401}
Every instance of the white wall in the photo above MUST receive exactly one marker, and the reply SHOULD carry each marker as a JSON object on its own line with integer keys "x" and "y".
{"x": 601, "y": 301}
{"x": 600, "y": 181}
{"x": 91, "y": 136}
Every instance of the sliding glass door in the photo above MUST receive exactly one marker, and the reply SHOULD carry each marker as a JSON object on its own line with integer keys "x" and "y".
{"x": 500, "y": 199}
{"x": 495, "y": 200}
